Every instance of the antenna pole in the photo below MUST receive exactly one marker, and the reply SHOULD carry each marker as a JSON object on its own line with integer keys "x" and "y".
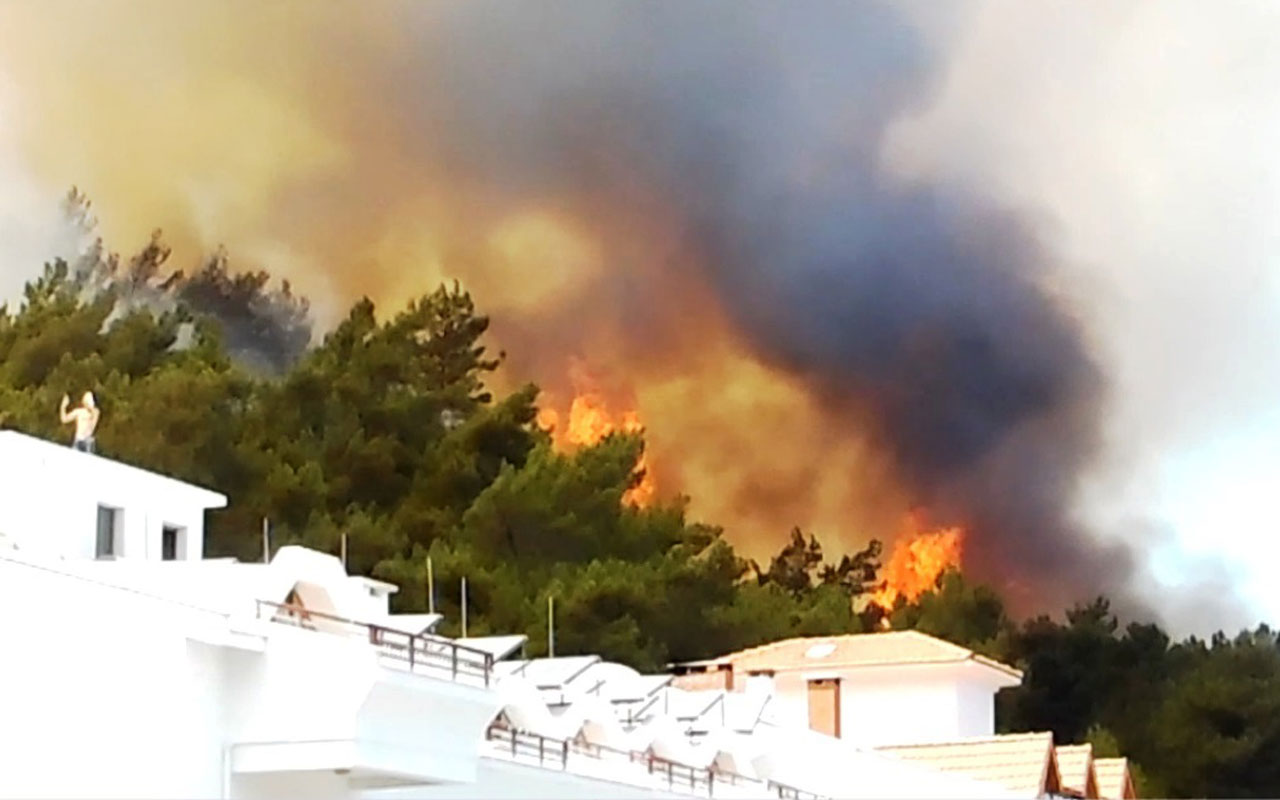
{"x": 344, "y": 551}
{"x": 266, "y": 541}
{"x": 464, "y": 607}
{"x": 551, "y": 626}
{"x": 431, "y": 588}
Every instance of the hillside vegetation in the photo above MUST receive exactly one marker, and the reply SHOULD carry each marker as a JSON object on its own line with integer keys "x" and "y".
{"x": 387, "y": 431}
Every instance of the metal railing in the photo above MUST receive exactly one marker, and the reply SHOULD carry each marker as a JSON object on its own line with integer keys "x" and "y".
{"x": 417, "y": 651}
{"x": 554, "y": 753}
{"x": 635, "y": 715}
{"x": 791, "y": 793}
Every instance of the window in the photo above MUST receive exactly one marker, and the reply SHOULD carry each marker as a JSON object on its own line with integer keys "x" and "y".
{"x": 108, "y": 532}
{"x": 824, "y": 706}
{"x": 171, "y": 541}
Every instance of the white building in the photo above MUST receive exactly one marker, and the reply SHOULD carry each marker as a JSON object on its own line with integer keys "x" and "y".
{"x": 49, "y": 492}
{"x": 133, "y": 667}
{"x": 871, "y": 689}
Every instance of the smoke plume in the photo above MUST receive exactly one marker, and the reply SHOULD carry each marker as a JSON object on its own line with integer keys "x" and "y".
{"x": 694, "y": 198}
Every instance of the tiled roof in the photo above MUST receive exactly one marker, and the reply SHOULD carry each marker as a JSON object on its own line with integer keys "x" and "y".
{"x": 1023, "y": 763}
{"x": 888, "y": 648}
{"x": 1075, "y": 765}
{"x": 1114, "y": 782}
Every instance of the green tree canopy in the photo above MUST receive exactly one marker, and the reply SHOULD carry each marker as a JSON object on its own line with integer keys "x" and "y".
{"x": 386, "y": 434}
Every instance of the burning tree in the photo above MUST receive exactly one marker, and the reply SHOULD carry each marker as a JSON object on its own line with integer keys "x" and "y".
{"x": 918, "y": 559}
{"x": 589, "y": 420}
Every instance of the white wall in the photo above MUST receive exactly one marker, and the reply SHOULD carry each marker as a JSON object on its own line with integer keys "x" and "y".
{"x": 500, "y": 780}
{"x": 102, "y": 694}
{"x": 916, "y": 708}
{"x": 52, "y": 494}
{"x": 915, "y": 703}
{"x": 977, "y": 710}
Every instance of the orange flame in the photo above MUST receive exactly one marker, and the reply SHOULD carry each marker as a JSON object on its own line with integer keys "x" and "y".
{"x": 590, "y": 420}
{"x": 917, "y": 560}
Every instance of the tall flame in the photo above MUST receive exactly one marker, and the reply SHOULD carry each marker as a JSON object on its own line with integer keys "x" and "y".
{"x": 590, "y": 420}
{"x": 918, "y": 558}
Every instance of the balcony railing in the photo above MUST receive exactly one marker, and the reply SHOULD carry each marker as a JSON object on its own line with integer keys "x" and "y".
{"x": 792, "y": 793}
{"x": 420, "y": 653}
{"x": 554, "y": 754}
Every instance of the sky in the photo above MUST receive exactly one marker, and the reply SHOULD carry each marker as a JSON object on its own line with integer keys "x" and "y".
{"x": 1153, "y": 154}
{"x": 1137, "y": 140}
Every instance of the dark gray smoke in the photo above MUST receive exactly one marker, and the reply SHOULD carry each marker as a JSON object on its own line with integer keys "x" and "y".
{"x": 919, "y": 313}
{"x": 264, "y": 329}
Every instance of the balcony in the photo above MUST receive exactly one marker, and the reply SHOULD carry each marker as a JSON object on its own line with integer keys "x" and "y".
{"x": 364, "y": 704}
{"x": 417, "y": 653}
{"x": 634, "y": 767}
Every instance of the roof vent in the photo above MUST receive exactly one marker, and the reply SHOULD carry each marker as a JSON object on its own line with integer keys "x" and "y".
{"x": 820, "y": 650}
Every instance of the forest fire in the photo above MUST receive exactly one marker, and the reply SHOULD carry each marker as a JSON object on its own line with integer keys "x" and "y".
{"x": 801, "y": 339}
{"x": 918, "y": 558}
{"x": 589, "y": 421}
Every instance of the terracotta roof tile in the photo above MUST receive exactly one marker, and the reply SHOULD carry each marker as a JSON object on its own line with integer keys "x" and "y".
{"x": 1075, "y": 763}
{"x": 1114, "y": 781}
{"x": 855, "y": 650}
{"x": 1023, "y": 763}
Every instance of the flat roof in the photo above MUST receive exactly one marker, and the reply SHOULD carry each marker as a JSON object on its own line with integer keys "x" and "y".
{"x": 17, "y": 445}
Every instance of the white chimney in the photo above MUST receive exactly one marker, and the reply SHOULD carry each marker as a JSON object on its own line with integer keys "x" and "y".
{"x": 760, "y": 683}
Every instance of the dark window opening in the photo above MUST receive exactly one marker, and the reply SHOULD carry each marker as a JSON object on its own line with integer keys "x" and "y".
{"x": 169, "y": 543}
{"x": 108, "y": 523}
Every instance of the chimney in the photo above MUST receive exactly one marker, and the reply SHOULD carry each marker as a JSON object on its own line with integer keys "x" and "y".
{"x": 760, "y": 682}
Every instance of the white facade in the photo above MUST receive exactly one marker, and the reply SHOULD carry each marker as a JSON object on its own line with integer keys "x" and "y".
{"x": 891, "y": 688}
{"x": 54, "y": 495}
{"x": 918, "y": 703}
{"x": 141, "y": 676}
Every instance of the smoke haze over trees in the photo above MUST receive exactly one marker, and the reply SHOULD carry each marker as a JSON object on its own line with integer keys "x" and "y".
{"x": 264, "y": 329}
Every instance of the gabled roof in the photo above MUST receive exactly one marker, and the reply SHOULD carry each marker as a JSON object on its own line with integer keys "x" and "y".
{"x": 1075, "y": 764}
{"x": 888, "y": 648}
{"x": 1023, "y": 763}
{"x": 1114, "y": 780}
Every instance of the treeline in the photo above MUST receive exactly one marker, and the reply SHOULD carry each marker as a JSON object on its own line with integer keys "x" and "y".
{"x": 387, "y": 432}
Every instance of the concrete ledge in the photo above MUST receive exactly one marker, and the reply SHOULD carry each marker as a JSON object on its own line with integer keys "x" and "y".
{"x": 372, "y": 762}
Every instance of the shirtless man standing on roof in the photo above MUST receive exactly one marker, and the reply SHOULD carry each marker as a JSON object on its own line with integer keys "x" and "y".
{"x": 85, "y": 416}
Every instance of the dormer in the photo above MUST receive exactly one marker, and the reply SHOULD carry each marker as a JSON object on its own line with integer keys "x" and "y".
{"x": 62, "y": 503}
